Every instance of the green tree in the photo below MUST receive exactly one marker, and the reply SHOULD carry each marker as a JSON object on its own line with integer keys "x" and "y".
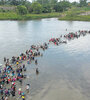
{"x": 43, "y": 2}
{"x": 75, "y": 3}
{"x": 2, "y": 2}
{"x": 65, "y": 5}
{"x": 58, "y": 7}
{"x": 36, "y": 8}
{"x": 22, "y": 9}
{"x": 62, "y": 6}
{"x": 47, "y": 8}
{"x": 83, "y": 3}
{"x": 28, "y": 5}
{"x": 53, "y": 1}
{"x": 13, "y": 2}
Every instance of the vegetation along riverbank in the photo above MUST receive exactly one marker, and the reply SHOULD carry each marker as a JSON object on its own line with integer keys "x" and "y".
{"x": 76, "y": 14}
{"x": 15, "y": 16}
{"x": 26, "y": 10}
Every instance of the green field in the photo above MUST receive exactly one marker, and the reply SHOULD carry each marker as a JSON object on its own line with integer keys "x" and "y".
{"x": 74, "y": 14}
{"x": 15, "y": 16}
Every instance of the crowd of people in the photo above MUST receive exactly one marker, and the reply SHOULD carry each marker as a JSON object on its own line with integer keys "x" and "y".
{"x": 13, "y": 71}
{"x": 69, "y": 36}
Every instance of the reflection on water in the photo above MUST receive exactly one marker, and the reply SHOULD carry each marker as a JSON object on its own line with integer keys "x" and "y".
{"x": 63, "y": 69}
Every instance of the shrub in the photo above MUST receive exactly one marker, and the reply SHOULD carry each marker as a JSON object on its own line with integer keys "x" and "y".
{"x": 22, "y": 9}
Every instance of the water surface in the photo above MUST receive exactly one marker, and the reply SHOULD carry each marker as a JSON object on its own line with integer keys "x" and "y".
{"x": 64, "y": 69}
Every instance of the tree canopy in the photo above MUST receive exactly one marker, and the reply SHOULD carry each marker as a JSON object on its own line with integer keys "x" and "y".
{"x": 36, "y": 8}
{"x": 83, "y": 3}
{"x": 42, "y": 6}
{"x": 22, "y": 9}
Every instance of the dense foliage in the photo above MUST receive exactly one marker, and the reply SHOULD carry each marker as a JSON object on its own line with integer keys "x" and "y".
{"x": 22, "y": 9}
{"x": 36, "y": 8}
{"x": 40, "y": 6}
{"x": 83, "y": 3}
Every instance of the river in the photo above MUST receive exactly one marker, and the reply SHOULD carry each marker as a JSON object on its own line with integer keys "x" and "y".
{"x": 64, "y": 69}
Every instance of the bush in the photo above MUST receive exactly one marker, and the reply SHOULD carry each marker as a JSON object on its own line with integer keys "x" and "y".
{"x": 22, "y": 9}
{"x": 36, "y": 8}
{"x": 46, "y": 9}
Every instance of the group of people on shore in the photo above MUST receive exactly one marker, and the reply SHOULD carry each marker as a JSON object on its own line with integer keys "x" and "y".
{"x": 13, "y": 72}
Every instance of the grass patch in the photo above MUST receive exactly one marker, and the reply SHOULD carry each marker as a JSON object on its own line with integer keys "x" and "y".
{"x": 76, "y": 18}
{"x": 74, "y": 14}
{"x": 15, "y": 16}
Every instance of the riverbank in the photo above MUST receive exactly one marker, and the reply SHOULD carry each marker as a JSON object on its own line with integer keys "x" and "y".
{"x": 15, "y": 16}
{"x": 76, "y": 18}
{"x": 76, "y": 14}
{"x": 73, "y": 14}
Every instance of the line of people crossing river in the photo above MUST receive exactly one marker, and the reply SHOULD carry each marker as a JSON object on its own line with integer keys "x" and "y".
{"x": 13, "y": 72}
